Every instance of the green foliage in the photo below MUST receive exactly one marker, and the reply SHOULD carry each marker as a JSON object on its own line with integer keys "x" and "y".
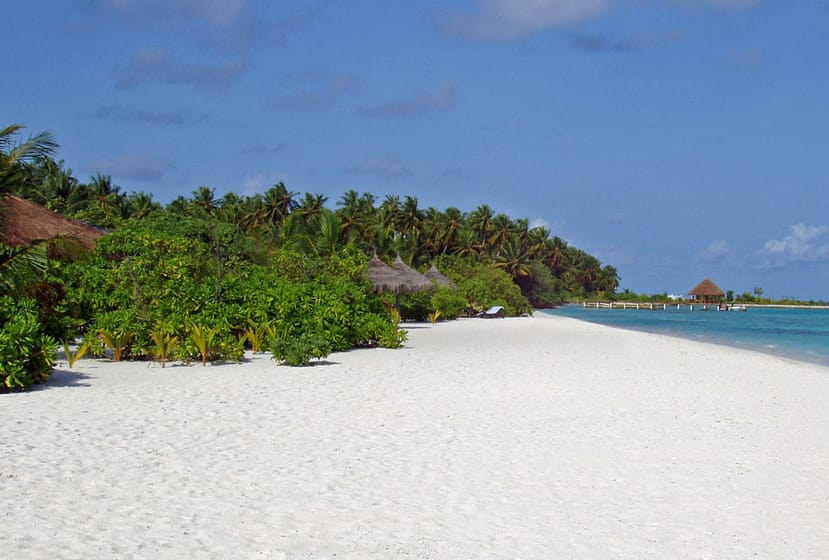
{"x": 27, "y": 355}
{"x": 257, "y": 336}
{"x": 483, "y": 286}
{"x": 299, "y": 350}
{"x": 435, "y": 316}
{"x": 205, "y": 340}
{"x": 118, "y": 342}
{"x": 416, "y": 306}
{"x": 164, "y": 344}
{"x": 451, "y": 302}
{"x": 72, "y": 357}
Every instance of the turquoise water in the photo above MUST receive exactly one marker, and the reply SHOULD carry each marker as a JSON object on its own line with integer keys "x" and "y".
{"x": 801, "y": 334}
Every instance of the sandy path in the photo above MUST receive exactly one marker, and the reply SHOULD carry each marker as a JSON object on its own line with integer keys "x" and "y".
{"x": 517, "y": 438}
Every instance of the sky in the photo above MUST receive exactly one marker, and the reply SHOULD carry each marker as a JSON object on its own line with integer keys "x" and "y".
{"x": 672, "y": 139}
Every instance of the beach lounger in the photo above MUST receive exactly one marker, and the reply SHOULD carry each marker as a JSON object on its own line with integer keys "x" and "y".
{"x": 493, "y": 312}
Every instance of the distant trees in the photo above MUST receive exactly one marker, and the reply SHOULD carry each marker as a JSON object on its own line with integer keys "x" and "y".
{"x": 543, "y": 265}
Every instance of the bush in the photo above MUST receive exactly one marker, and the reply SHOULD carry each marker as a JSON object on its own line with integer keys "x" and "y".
{"x": 27, "y": 355}
{"x": 299, "y": 350}
{"x": 481, "y": 286}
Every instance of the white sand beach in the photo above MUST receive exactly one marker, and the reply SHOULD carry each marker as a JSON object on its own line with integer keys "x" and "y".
{"x": 530, "y": 438}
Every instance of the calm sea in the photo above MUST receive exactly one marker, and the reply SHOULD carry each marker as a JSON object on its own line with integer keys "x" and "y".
{"x": 801, "y": 334}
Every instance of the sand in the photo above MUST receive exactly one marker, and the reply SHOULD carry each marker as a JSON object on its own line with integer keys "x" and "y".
{"x": 525, "y": 438}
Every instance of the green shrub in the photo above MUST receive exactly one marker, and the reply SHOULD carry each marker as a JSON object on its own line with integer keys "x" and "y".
{"x": 27, "y": 355}
{"x": 299, "y": 350}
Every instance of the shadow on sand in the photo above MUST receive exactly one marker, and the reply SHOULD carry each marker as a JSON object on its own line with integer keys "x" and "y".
{"x": 63, "y": 378}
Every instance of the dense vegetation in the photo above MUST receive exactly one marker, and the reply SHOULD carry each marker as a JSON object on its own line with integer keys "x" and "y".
{"x": 204, "y": 277}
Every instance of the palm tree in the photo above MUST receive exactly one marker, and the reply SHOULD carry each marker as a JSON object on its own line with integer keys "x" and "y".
{"x": 328, "y": 236}
{"x": 481, "y": 222}
{"x": 58, "y": 190}
{"x": 104, "y": 192}
{"x": 433, "y": 230}
{"x": 278, "y": 202}
{"x": 556, "y": 257}
{"x": 501, "y": 229}
{"x": 454, "y": 221}
{"x": 141, "y": 204}
{"x": 311, "y": 207}
{"x": 16, "y": 156}
{"x": 22, "y": 267}
{"x": 351, "y": 213}
{"x": 411, "y": 217}
{"x": 389, "y": 214}
{"x": 204, "y": 199}
{"x": 514, "y": 258}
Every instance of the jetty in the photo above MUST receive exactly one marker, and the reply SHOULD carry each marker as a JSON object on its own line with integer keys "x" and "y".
{"x": 664, "y": 306}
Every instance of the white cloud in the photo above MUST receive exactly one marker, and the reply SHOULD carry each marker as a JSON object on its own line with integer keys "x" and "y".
{"x": 717, "y": 250}
{"x": 389, "y": 168}
{"x": 140, "y": 167}
{"x": 218, "y": 12}
{"x": 323, "y": 97}
{"x": 730, "y": 4}
{"x": 539, "y": 223}
{"x": 253, "y": 184}
{"x": 158, "y": 65}
{"x": 423, "y": 102}
{"x": 508, "y": 20}
{"x": 804, "y": 243}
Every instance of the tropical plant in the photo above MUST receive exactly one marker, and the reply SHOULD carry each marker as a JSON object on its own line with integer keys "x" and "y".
{"x": 164, "y": 344}
{"x": 28, "y": 355}
{"x": 72, "y": 357}
{"x": 17, "y": 156}
{"x": 117, "y": 341}
{"x": 205, "y": 340}
{"x": 299, "y": 350}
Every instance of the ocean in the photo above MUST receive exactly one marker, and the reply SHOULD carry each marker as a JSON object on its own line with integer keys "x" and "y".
{"x": 800, "y": 334}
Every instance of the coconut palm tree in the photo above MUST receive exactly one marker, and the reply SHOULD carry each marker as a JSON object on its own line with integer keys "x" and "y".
{"x": 204, "y": 200}
{"x": 454, "y": 220}
{"x": 411, "y": 217}
{"x": 480, "y": 220}
{"x": 501, "y": 229}
{"x": 514, "y": 258}
{"x": 21, "y": 267}
{"x": 17, "y": 156}
{"x": 278, "y": 202}
{"x": 310, "y": 208}
{"x": 141, "y": 204}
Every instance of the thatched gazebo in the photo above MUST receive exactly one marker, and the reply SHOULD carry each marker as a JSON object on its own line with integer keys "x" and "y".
{"x": 706, "y": 292}
{"x": 438, "y": 277}
{"x": 22, "y": 222}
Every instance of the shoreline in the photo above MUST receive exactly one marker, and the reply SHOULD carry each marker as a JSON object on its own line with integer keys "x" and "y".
{"x": 796, "y": 354}
{"x": 531, "y": 437}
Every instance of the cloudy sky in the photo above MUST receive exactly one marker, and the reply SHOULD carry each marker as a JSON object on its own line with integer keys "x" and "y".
{"x": 673, "y": 139}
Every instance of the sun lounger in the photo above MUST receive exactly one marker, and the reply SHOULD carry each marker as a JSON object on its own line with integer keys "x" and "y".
{"x": 492, "y": 312}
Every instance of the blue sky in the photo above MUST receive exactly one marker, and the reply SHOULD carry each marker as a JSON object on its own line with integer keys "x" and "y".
{"x": 673, "y": 139}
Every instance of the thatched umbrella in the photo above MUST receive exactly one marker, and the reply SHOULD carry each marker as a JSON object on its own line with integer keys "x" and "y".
{"x": 398, "y": 279}
{"x": 383, "y": 277}
{"x": 438, "y": 277}
{"x": 413, "y": 281}
{"x": 708, "y": 291}
{"x": 22, "y": 222}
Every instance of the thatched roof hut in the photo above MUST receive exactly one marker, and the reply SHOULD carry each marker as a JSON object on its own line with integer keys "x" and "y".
{"x": 706, "y": 292}
{"x": 382, "y": 276}
{"x": 438, "y": 277}
{"x": 22, "y": 222}
{"x": 412, "y": 280}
